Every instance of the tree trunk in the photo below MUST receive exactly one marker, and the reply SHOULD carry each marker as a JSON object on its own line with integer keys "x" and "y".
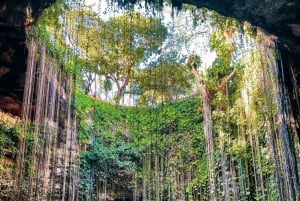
{"x": 234, "y": 184}
{"x": 209, "y": 141}
{"x": 208, "y": 131}
{"x": 225, "y": 186}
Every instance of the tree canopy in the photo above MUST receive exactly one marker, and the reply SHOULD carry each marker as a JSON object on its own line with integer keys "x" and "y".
{"x": 114, "y": 48}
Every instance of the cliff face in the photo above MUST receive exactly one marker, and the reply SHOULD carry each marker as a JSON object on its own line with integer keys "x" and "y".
{"x": 277, "y": 17}
{"x": 15, "y": 16}
{"x": 280, "y": 18}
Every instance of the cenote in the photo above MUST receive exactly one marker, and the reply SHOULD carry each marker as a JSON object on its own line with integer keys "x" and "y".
{"x": 149, "y": 100}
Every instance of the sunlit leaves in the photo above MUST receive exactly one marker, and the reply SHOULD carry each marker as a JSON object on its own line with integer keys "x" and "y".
{"x": 222, "y": 46}
{"x": 168, "y": 80}
{"x": 125, "y": 40}
{"x": 114, "y": 48}
{"x": 194, "y": 62}
{"x": 224, "y": 24}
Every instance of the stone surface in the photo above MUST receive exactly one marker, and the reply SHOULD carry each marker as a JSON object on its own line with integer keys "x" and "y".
{"x": 11, "y": 105}
{"x": 278, "y": 17}
{"x": 15, "y": 16}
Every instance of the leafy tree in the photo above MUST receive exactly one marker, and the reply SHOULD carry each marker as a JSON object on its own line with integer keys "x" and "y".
{"x": 125, "y": 41}
{"x": 83, "y": 37}
{"x": 114, "y": 48}
{"x": 167, "y": 81}
{"x": 213, "y": 82}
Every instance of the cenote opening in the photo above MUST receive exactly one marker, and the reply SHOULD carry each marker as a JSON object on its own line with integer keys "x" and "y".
{"x": 149, "y": 101}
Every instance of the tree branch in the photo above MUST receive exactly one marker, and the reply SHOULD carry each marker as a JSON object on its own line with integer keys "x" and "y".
{"x": 226, "y": 80}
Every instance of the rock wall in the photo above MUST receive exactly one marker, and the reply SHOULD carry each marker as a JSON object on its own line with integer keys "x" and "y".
{"x": 15, "y": 17}
{"x": 278, "y": 17}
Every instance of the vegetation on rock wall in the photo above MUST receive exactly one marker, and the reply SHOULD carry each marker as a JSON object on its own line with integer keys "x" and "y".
{"x": 10, "y": 130}
{"x": 237, "y": 141}
{"x": 135, "y": 152}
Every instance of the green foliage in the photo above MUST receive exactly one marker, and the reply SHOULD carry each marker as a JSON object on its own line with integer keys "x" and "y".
{"x": 194, "y": 62}
{"x": 110, "y": 160}
{"x": 224, "y": 23}
{"x": 50, "y": 30}
{"x": 117, "y": 140}
{"x": 10, "y": 131}
{"x": 119, "y": 136}
{"x": 115, "y": 47}
{"x": 199, "y": 15}
{"x": 221, "y": 42}
{"x": 169, "y": 80}
{"x": 8, "y": 138}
